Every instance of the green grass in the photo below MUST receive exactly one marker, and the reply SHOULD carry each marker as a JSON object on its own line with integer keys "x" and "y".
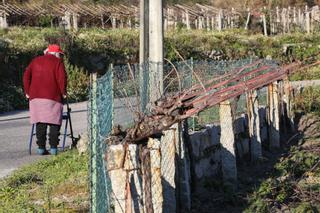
{"x": 58, "y": 183}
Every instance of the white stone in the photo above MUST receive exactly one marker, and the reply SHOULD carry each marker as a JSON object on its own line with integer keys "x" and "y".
{"x": 118, "y": 185}
{"x": 168, "y": 168}
{"x": 132, "y": 157}
{"x": 115, "y": 157}
{"x": 228, "y": 157}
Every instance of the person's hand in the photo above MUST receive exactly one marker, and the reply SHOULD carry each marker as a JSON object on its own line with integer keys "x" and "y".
{"x": 27, "y": 96}
{"x": 64, "y": 96}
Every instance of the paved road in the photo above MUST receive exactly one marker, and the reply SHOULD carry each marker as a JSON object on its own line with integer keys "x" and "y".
{"x": 15, "y": 132}
{"x": 14, "y": 137}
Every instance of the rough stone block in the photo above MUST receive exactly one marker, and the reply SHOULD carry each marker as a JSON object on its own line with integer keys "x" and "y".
{"x": 168, "y": 168}
{"x": 195, "y": 142}
{"x": 114, "y": 157}
{"x": 228, "y": 157}
{"x": 239, "y": 125}
{"x": 132, "y": 157}
{"x": 240, "y": 151}
{"x": 118, "y": 185}
{"x": 214, "y": 134}
{"x": 156, "y": 183}
{"x": 245, "y": 145}
{"x": 136, "y": 191}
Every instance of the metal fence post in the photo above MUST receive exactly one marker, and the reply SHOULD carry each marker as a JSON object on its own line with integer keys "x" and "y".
{"x": 93, "y": 144}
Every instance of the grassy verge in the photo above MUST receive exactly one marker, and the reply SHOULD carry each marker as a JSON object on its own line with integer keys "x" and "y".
{"x": 58, "y": 183}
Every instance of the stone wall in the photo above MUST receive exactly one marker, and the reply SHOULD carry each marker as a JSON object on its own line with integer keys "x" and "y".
{"x": 206, "y": 147}
{"x": 169, "y": 164}
{"x": 151, "y": 177}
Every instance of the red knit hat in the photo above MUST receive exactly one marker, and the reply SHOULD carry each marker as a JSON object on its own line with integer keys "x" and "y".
{"x": 54, "y": 48}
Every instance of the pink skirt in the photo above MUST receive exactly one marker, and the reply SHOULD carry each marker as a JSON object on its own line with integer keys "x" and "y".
{"x": 45, "y": 111}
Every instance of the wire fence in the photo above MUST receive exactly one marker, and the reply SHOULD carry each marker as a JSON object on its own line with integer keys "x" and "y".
{"x": 119, "y": 98}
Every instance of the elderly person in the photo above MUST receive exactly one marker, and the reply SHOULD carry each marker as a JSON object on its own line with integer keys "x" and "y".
{"x": 44, "y": 82}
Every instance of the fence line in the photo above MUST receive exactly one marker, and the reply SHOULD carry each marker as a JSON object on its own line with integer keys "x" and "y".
{"x": 115, "y": 101}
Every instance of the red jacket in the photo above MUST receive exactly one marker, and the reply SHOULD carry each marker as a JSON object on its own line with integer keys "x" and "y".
{"x": 45, "y": 77}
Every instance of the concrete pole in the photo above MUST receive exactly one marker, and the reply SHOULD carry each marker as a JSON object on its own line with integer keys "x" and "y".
{"x": 228, "y": 156}
{"x": 248, "y": 19}
{"x": 212, "y": 23}
{"x": 208, "y": 23}
{"x": 283, "y": 19}
{"x": 136, "y": 17}
{"x": 273, "y": 116}
{"x": 277, "y": 14}
{"x": 165, "y": 23}
{"x": 168, "y": 167}
{"x": 312, "y": 16}
{"x": 254, "y": 125}
{"x": 232, "y": 17}
{"x": 200, "y": 22}
{"x": 102, "y": 21}
{"x": 156, "y": 49}
{"x": 114, "y": 22}
{"x": 265, "y": 32}
{"x": 288, "y": 103}
{"x": 188, "y": 20}
{"x": 67, "y": 19}
{"x": 300, "y": 18}
{"x": 121, "y": 23}
{"x": 144, "y": 53}
{"x": 307, "y": 19}
{"x": 156, "y": 179}
{"x": 75, "y": 21}
{"x": 308, "y": 23}
{"x": 289, "y": 18}
{"x": 129, "y": 23}
{"x": 220, "y": 17}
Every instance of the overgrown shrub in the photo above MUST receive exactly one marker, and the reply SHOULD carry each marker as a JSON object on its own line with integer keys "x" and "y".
{"x": 78, "y": 83}
{"x": 308, "y": 101}
{"x": 11, "y": 98}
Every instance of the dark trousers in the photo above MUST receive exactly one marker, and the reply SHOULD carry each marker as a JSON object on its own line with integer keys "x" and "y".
{"x": 41, "y": 133}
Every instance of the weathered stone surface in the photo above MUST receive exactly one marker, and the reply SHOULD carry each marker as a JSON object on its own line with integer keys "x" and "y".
{"x": 114, "y": 157}
{"x": 136, "y": 191}
{"x": 214, "y": 134}
{"x": 118, "y": 177}
{"x": 240, "y": 152}
{"x": 239, "y": 125}
{"x": 168, "y": 168}
{"x": 205, "y": 155}
{"x": 245, "y": 145}
{"x": 228, "y": 157}
{"x": 183, "y": 170}
{"x": 156, "y": 184}
{"x": 273, "y": 115}
{"x": 263, "y": 124}
{"x": 254, "y": 125}
{"x": 118, "y": 185}
{"x": 195, "y": 142}
{"x": 132, "y": 157}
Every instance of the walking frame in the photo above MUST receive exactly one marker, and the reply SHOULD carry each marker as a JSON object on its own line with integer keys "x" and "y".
{"x": 65, "y": 116}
